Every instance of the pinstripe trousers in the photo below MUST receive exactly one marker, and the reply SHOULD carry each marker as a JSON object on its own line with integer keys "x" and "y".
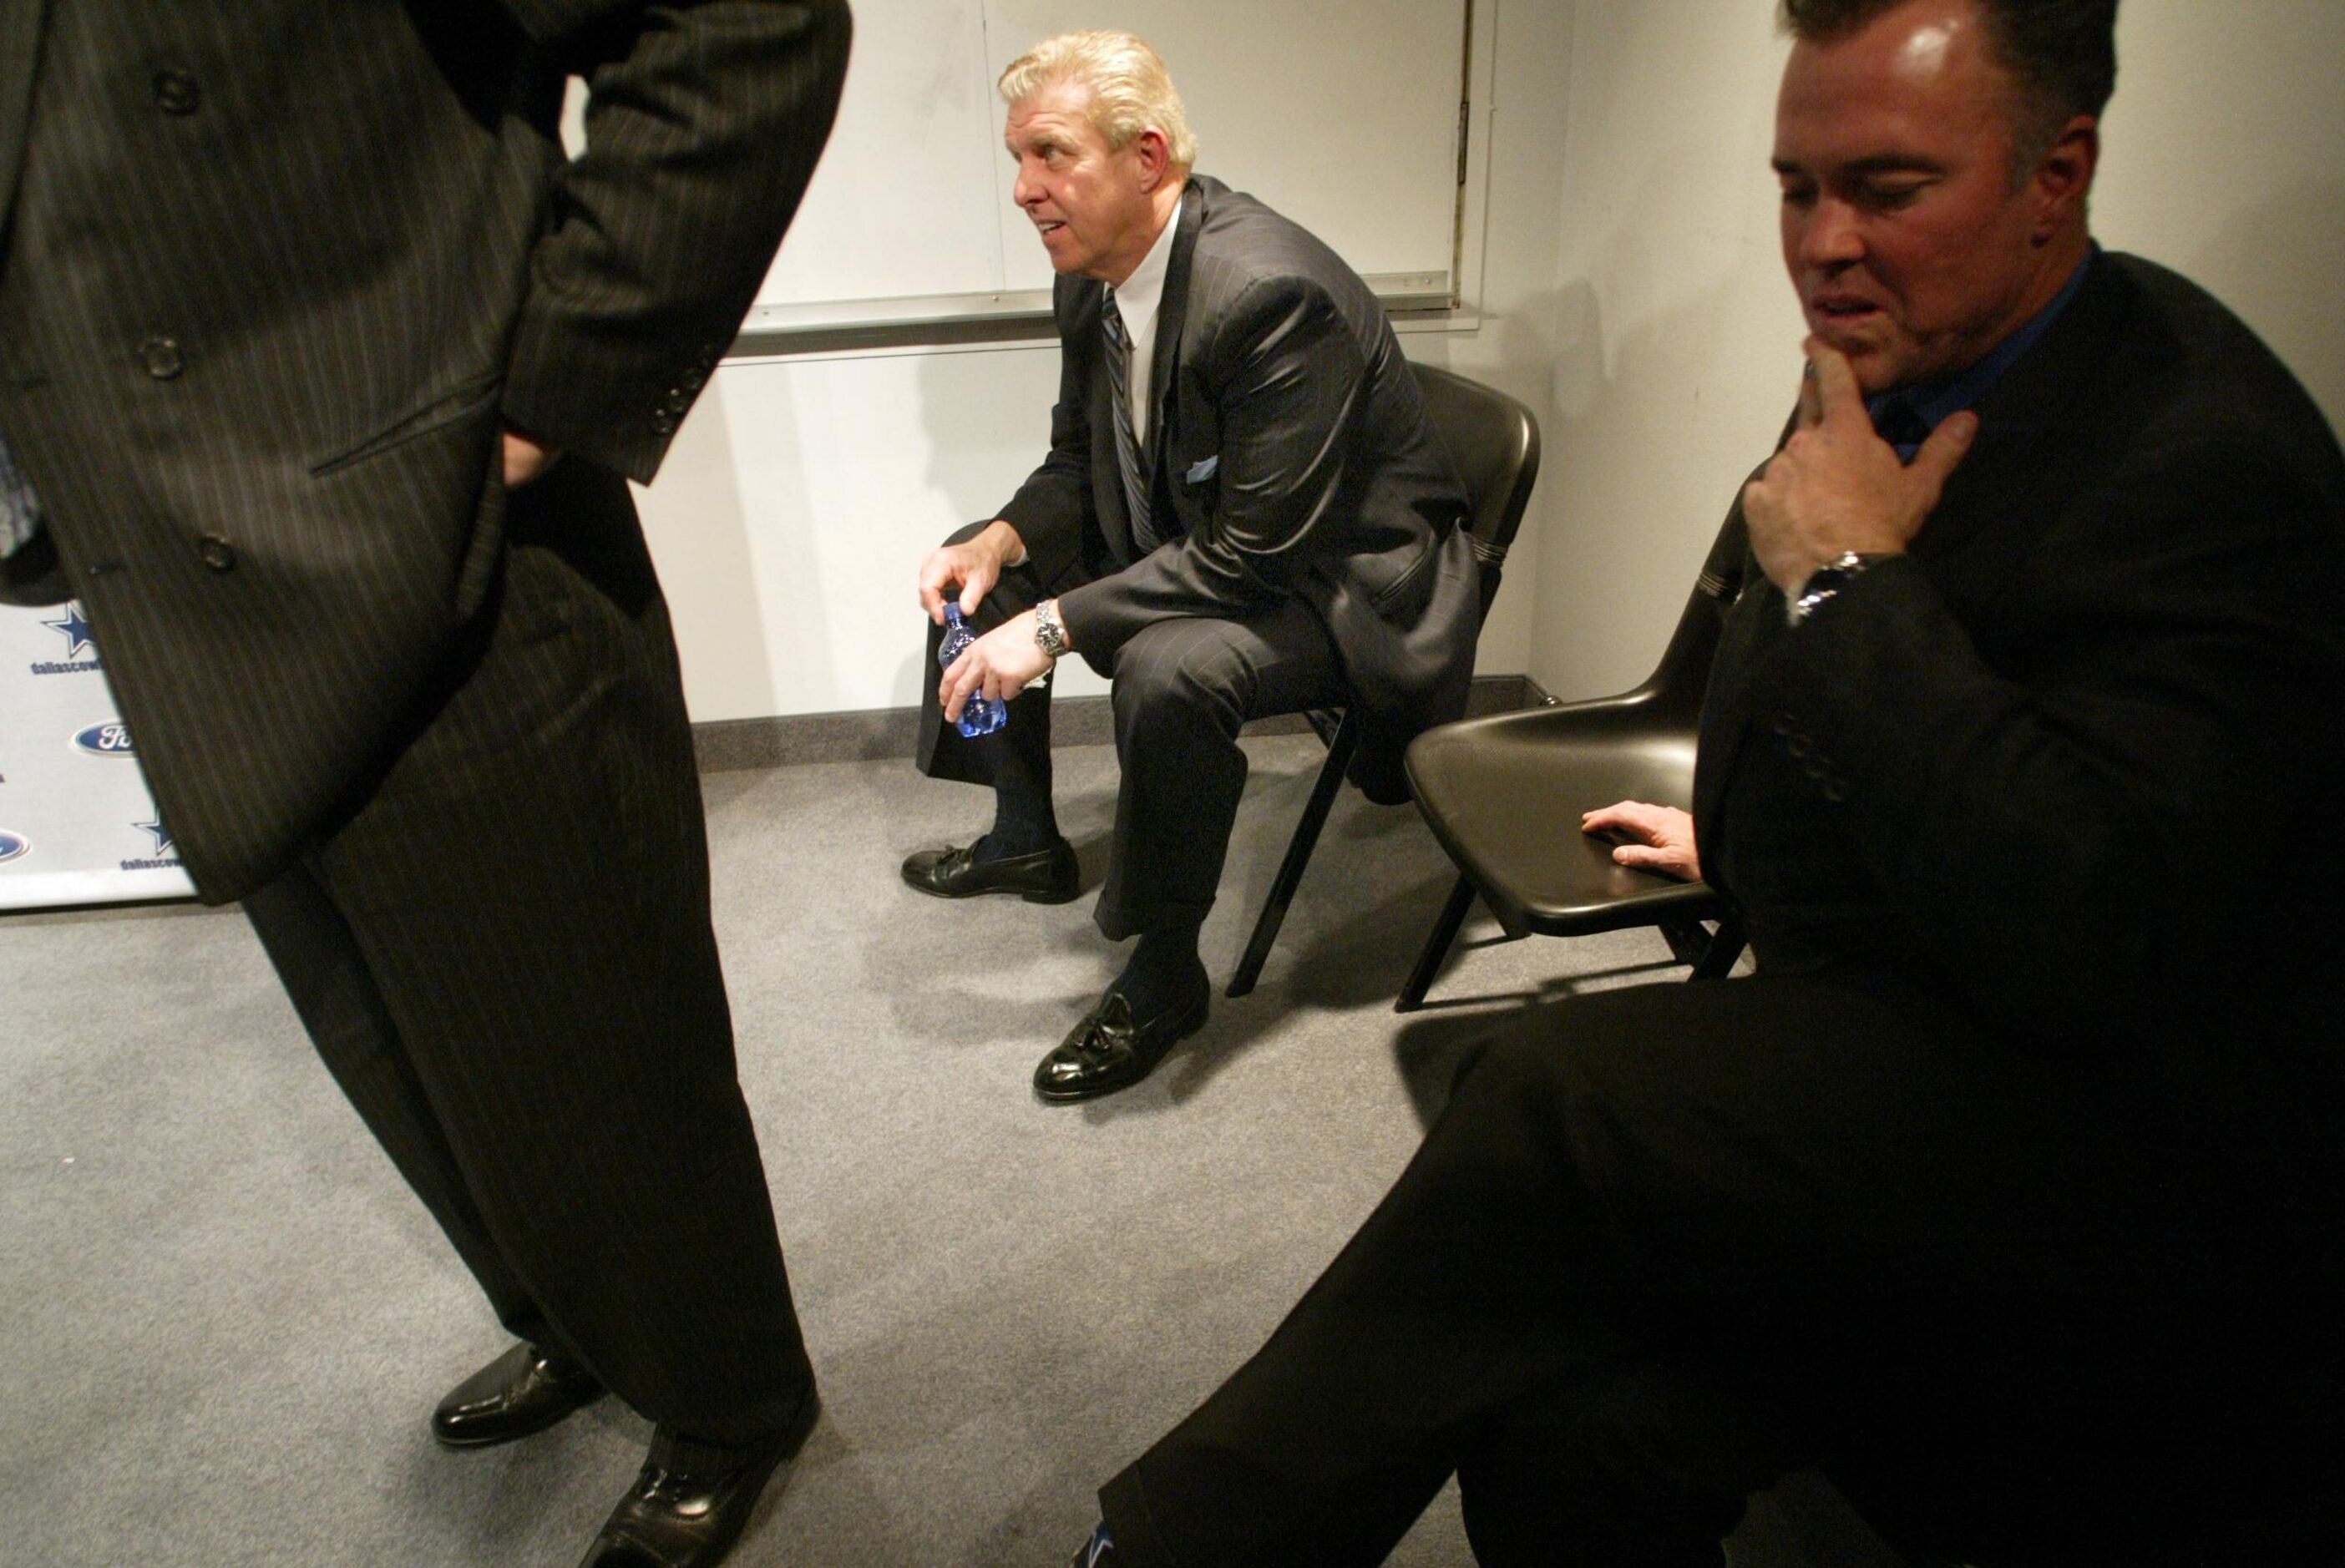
{"x": 1183, "y": 689}
{"x": 501, "y": 948}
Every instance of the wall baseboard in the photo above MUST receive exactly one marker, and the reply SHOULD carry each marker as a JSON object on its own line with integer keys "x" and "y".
{"x": 879, "y": 733}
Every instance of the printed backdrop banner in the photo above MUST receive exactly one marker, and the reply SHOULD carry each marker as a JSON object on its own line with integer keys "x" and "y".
{"x": 77, "y": 823}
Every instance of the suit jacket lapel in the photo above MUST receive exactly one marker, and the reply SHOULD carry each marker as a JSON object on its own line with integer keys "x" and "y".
{"x": 1726, "y": 708}
{"x": 20, "y": 51}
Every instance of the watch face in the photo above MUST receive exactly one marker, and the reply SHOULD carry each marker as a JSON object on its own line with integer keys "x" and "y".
{"x": 1048, "y": 634}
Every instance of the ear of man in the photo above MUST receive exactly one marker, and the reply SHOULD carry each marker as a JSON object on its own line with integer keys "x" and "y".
{"x": 2062, "y": 179}
{"x": 1155, "y": 157}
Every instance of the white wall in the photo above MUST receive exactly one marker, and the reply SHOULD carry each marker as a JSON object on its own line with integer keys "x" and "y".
{"x": 1678, "y": 344}
{"x": 1630, "y": 290}
{"x": 800, "y": 494}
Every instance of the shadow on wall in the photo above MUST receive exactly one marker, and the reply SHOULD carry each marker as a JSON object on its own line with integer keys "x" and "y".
{"x": 1512, "y": 352}
{"x": 697, "y": 519}
{"x": 966, "y": 500}
{"x": 985, "y": 415}
{"x": 1656, "y": 429}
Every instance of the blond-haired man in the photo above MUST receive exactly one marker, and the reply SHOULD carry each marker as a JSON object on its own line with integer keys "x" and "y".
{"x": 1243, "y": 513}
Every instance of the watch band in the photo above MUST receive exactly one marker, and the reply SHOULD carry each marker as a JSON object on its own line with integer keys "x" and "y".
{"x": 1049, "y": 631}
{"x": 1823, "y": 584}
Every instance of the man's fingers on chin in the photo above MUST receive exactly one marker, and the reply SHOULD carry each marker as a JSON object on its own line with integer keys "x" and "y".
{"x": 1836, "y": 387}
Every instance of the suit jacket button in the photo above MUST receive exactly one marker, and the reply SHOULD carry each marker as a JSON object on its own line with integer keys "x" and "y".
{"x": 663, "y": 422}
{"x": 218, "y": 552}
{"x": 175, "y": 92}
{"x": 162, "y": 359}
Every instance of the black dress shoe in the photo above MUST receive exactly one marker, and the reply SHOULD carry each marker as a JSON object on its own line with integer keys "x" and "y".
{"x": 522, "y": 1392}
{"x": 1046, "y": 876}
{"x": 1107, "y": 1051}
{"x": 672, "y": 1519}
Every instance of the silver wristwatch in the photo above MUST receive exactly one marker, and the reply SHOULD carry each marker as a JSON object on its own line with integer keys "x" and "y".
{"x": 1824, "y": 583}
{"x": 1049, "y": 631}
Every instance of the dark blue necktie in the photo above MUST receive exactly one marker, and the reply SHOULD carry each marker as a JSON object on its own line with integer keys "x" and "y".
{"x": 1899, "y": 426}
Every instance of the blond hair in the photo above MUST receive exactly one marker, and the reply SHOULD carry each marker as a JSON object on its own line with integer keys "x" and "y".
{"x": 1130, "y": 88}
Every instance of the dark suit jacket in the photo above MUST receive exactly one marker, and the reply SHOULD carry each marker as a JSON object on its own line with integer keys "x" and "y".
{"x": 275, "y": 272}
{"x": 1292, "y": 450}
{"x": 2074, "y": 760}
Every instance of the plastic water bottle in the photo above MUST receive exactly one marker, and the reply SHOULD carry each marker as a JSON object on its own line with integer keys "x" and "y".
{"x": 981, "y": 714}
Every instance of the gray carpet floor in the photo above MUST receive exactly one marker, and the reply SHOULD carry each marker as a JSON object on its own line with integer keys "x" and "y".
{"x": 223, "y": 1319}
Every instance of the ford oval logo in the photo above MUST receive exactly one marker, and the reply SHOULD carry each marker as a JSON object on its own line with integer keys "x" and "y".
{"x": 13, "y": 845}
{"x": 108, "y": 740}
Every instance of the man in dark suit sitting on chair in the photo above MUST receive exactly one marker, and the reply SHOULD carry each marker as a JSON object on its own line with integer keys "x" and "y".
{"x": 2008, "y": 1187}
{"x": 1244, "y": 513}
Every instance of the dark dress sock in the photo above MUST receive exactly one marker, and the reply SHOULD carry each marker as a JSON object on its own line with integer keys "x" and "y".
{"x": 1163, "y": 972}
{"x": 1023, "y": 820}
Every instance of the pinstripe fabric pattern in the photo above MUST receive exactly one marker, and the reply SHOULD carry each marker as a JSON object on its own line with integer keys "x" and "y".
{"x": 260, "y": 321}
{"x": 20, "y": 510}
{"x": 276, "y": 271}
{"x": 1117, "y": 360}
{"x": 1291, "y": 540}
{"x": 514, "y": 980}
{"x": 1183, "y": 689}
{"x": 1290, "y": 459}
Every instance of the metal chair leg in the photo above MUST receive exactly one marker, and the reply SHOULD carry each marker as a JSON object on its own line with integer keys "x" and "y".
{"x": 1299, "y": 856}
{"x": 1689, "y": 940}
{"x": 1710, "y": 954}
{"x": 1725, "y": 948}
{"x": 1436, "y": 947}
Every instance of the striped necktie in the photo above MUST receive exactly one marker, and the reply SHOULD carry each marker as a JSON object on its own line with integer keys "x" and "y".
{"x": 20, "y": 510}
{"x": 1145, "y": 537}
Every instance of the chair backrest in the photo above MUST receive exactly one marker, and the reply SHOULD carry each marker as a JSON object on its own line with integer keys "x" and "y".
{"x": 1676, "y": 687}
{"x": 1494, "y": 444}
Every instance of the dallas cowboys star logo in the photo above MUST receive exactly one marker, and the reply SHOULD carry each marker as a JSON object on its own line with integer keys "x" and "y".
{"x": 75, "y": 629}
{"x": 162, "y": 835}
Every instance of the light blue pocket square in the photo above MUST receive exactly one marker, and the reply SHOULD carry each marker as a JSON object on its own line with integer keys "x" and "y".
{"x": 1201, "y": 469}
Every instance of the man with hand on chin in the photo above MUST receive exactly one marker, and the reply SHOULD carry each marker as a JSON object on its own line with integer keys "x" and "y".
{"x": 2008, "y": 1187}
{"x": 1244, "y": 513}
{"x": 1838, "y": 497}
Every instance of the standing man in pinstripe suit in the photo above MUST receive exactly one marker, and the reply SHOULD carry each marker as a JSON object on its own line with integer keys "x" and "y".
{"x": 1244, "y": 513}
{"x": 328, "y": 373}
